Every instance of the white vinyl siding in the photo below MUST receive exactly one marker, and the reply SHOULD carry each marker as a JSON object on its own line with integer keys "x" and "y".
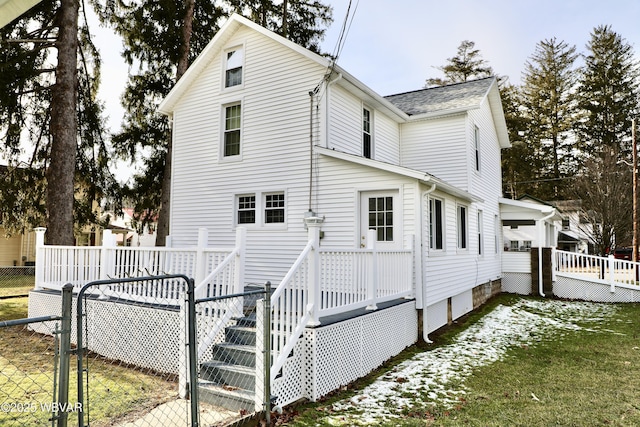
{"x": 437, "y": 147}
{"x": 275, "y": 133}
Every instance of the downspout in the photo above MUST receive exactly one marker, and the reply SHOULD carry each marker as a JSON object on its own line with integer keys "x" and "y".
{"x": 420, "y": 293}
{"x": 541, "y": 236}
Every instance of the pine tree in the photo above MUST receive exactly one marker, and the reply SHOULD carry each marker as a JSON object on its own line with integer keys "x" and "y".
{"x": 608, "y": 93}
{"x": 466, "y": 65}
{"x": 550, "y": 109}
{"x": 51, "y": 124}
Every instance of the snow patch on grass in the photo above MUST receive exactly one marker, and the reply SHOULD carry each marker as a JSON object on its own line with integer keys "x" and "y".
{"x": 437, "y": 376}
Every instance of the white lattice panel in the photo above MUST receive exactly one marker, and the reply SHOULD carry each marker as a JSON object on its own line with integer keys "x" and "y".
{"x": 570, "y": 288}
{"x": 294, "y": 383}
{"x": 345, "y": 351}
{"x": 516, "y": 283}
{"x": 147, "y": 337}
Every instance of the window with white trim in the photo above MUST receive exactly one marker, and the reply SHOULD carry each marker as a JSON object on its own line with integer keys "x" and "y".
{"x": 436, "y": 224}
{"x": 496, "y": 236}
{"x": 246, "y": 208}
{"x": 274, "y": 208}
{"x": 514, "y": 245}
{"x": 232, "y": 123}
{"x": 462, "y": 227}
{"x": 480, "y": 231}
{"x": 233, "y": 67}
{"x": 476, "y": 141}
{"x": 367, "y": 140}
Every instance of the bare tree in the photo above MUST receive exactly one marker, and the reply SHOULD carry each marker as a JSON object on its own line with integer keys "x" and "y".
{"x": 605, "y": 188}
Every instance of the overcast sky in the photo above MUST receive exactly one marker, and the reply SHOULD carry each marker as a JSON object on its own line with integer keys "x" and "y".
{"x": 392, "y": 46}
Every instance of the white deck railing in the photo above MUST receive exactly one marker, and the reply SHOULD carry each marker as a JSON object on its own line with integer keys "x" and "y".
{"x": 324, "y": 282}
{"x": 79, "y": 265}
{"x": 607, "y": 270}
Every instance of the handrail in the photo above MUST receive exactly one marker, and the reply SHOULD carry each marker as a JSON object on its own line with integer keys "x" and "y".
{"x": 278, "y": 315}
{"x": 287, "y": 278}
{"x": 227, "y": 260}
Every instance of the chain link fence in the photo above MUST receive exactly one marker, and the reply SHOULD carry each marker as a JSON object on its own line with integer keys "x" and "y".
{"x": 34, "y": 369}
{"x": 232, "y": 353}
{"x": 16, "y": 281}
{"x": 122, "y": 356}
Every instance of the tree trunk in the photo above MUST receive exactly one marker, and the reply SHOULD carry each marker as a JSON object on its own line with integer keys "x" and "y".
{"x": 183, "y": 64}
{"x": 60, "y": 174}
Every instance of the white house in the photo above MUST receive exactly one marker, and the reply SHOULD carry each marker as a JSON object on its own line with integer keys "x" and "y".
{"x": 267, "y": 133}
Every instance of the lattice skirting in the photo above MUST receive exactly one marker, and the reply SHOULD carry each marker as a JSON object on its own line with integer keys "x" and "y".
{"x": 516, "y": 283}
{"x": 147, "y": 337}
{"x": 571, "y": 288}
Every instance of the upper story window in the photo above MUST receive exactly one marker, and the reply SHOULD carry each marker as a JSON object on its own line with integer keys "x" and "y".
{"x": 476, "y": 142}
{"x": 366, "y": 134}
{"x": 436, "y": 224}
{"x": 566, "y": 225}
{"x": 233, "y": 67}
{"x": 462, "y": 227}
{"x": 274, "y": 208}
{"x": 232, "y": 121}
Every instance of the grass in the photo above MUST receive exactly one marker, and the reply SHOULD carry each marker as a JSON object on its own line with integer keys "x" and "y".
{"x": 583, "y": 378}
{"x": 26, "y": 377}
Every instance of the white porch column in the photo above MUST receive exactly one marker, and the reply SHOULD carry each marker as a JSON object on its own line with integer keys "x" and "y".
{"x": 241, "y": 248}
{"x": 203, "y": 239}
{"x": 314, "y": 223}
{"x": 39, "y": 276}
{"x": 372, "y": 283}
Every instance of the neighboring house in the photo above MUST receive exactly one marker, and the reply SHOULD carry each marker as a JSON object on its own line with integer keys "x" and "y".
{"x": 267, "y": 133}
{"x": 125, "y": 229}
{"x": 575, "y": 235}
{"x": 17, "y": 250}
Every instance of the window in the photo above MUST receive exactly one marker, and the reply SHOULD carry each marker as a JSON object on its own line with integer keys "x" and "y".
{"x": 513, "y": 245}
{"x": 233, "y": 68}
{"x": 496, "y": 236}
{"x": 366, "y": 133}
{"x": 476, "y": 140}
{"x": 435, "y": 224}
{"x": 462, "y": 227}
{"x": 232, "y": 115}
{"x": 247, "y": 209}
{"x": 381, "y": 217}
{"x": 526, "y": 245}
{"x": 565, "y": 224}
{"x": 274, "y": 208}
{"x": 480, "y": 230}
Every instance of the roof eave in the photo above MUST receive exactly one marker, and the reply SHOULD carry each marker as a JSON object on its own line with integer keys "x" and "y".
{"x": 400, "y": 170}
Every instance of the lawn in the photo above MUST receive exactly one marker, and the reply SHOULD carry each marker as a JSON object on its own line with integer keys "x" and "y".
{"x": 517, "y": 362}
{"x": 27, "y": 380}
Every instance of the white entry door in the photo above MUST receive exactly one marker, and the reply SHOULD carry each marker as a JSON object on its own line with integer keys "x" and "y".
{"x": 380, "y": 211}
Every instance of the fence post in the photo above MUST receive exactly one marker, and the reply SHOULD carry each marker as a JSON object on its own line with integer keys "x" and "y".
{"x": 65, "y": 353}
{"x": 193, "y": 352}
{"x": 267, "y": 353}
{"x": 203, "y": 238}
{"x": 39, "y": 277}
{"x": 313, "y": 227}
{"x": 372, "y": 283}
{"x": 612, "y": 280}
{"x": 107, "y": 263}
{"x": 241, "y": 245}
{"x": 183, "y": 357}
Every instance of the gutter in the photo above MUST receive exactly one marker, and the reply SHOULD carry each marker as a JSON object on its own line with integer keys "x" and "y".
{"x": 425, "y": 321}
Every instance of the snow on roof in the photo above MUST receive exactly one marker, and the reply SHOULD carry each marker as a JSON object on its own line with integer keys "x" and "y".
{"x": 437, "y": 376}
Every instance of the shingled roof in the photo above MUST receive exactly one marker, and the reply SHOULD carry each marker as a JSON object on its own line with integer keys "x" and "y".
{"x": 455, "y": 96}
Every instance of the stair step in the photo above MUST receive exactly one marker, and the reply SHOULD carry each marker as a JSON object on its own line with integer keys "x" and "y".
{"x": 244, "y": 355}
{"x": 242, "y": 335}
{"x": 248, "y": 321}
{"x": 226, "y": 397}
{"x": 235, "y": 376}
